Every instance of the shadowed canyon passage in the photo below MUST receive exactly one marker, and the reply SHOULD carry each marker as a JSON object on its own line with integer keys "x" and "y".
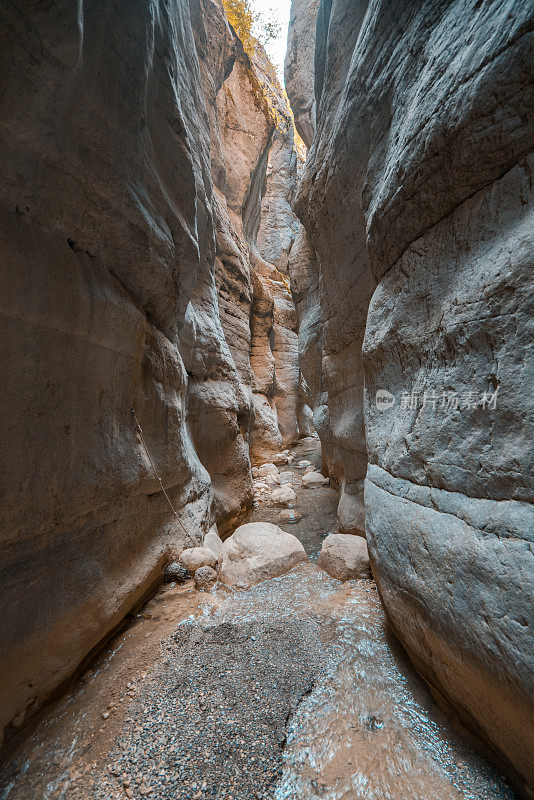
{"x": 169, "y": 249}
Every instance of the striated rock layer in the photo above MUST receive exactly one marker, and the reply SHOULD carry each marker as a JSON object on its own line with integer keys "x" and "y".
{"x": 136, "y": 142}
{"x": 417, "y": 201}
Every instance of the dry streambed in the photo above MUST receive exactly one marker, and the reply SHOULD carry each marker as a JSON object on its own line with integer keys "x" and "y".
{"x": 293, "y": 688}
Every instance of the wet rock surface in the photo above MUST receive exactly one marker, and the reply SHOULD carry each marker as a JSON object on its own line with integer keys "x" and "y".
{"x": 213, "y": 720}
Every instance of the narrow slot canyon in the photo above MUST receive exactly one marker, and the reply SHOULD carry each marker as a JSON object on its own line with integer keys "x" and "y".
{"x": 267, "y": 400}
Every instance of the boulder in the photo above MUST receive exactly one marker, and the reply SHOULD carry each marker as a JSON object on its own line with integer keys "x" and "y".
{"x": 345, "y": 556}
{"x": 280, "y": 459}
{"x": 303, "y": 464}
{"x": 311, "y": 480}
{"x": 213, "y": 541}
{"x": 205, "y": 577}
{"x": 272, "y": 480}
{"x": 176, "y": 572}
{"x": 258, "y": 551}
{"x": 286, "y": 477}
{"x": 195, "y": 557}
{"x": 284, "y": 496}
{"x": 267, "y": 469}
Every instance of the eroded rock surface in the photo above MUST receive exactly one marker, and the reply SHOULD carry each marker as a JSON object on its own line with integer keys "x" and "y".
{"x": 299, "y": 66}
{"x": 416, "y": 199}
{"x": 137, "y": 143}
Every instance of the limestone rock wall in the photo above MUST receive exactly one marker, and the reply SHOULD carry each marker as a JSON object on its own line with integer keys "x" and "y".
{"x": 128, "y": 196}
{"x": 416, "y": 198}
{"x": 299, "y": 66}
{"x": 280, "y": 410}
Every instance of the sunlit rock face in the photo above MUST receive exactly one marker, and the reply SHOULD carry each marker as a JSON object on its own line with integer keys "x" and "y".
{"x": 416, "y": 197}
{"x": 127, "y": 206}
{"x": 270, "y": 229}
{"x": 299, "y": 66}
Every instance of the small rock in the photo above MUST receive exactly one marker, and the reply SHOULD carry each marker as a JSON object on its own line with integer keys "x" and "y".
{"x": 195, "y": 557}
{"x": 267, "y": 469}
{"x": 176, "y": 572}
{"x": 284, "y": 496}
{"x": 285, "y": 477}
{"x": 311, "y": 480}
{"x": 289, "y": 515}
{"x": 303, "y": 464}
{"x": 345, "y": 556}
{"x": 311, "y": 468}
{"x": 255, "y": 472}
{"x": 272, "y": 480}
{"x": 280, "y": 459}
{"x": 205, "y": 577}
{"x": 213, "y": 541}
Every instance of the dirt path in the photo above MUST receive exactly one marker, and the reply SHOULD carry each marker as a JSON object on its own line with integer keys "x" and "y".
{"x": 293, "y": 689}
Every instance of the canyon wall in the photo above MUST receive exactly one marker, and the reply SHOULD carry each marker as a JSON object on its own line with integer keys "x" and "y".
{"x": 417, "y": 203}
{"x": 136, "y": 145}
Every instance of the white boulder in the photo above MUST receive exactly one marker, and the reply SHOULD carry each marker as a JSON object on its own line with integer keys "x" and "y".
{"x": 258, "y": 551}
{"x": 213, "y": 541}
{"x": 205, "y": 577}
{"x": 285, "y": 477}
{"x": 345, "y": 556}
{"x": 311, "y": 480}
{"x": 195, "y": 557}
{"x": 267, "y": 469}
{"x": 284, "y": 496}
{"x": 280, "y": 458}
{"x": 289, "y": 515}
